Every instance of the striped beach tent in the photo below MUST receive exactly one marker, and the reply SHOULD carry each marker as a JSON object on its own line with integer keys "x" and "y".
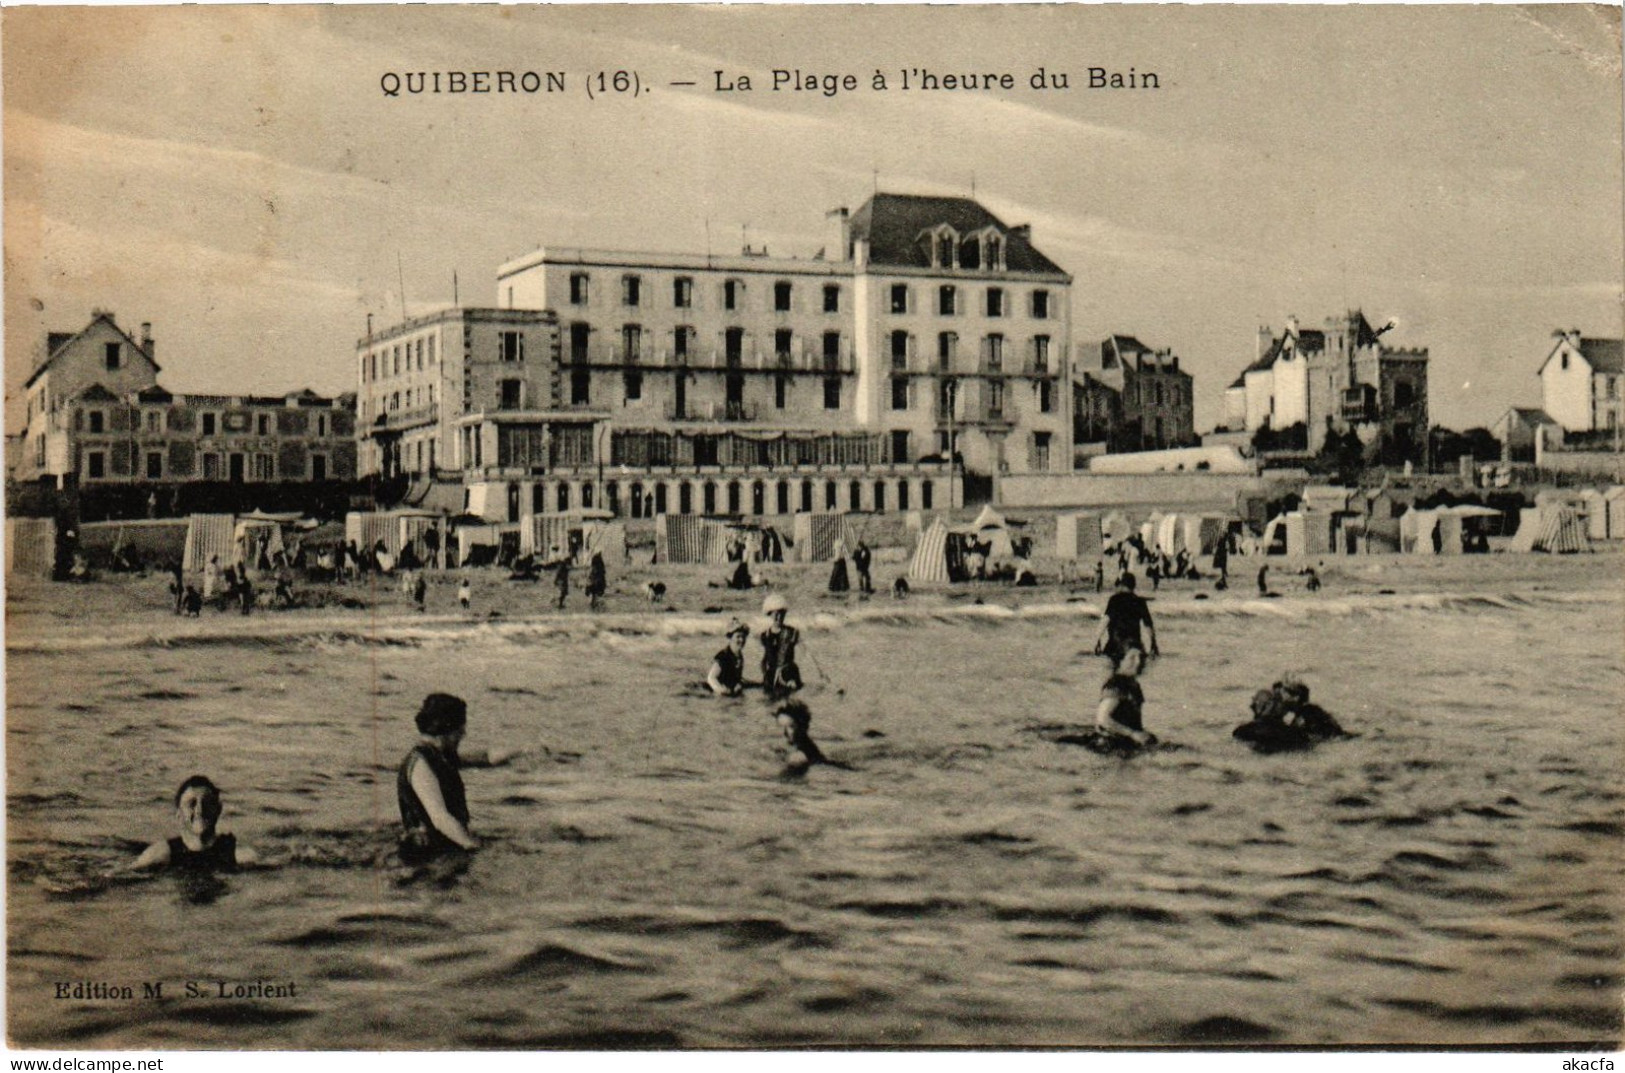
{"x": 209, "y": 536}
{"x": 931, "y": 555}
{"x": 1561, "y": 531}
{"x": 31, "y": 546}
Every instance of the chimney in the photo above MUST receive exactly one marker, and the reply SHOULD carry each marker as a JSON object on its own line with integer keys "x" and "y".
{"x": 1574, "y": 337}
{"x": 1292, "y": 327}
{"x": 838, "y": 235}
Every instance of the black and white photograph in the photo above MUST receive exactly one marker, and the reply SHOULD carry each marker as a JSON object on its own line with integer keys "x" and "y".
{"x": 689, "y": 528}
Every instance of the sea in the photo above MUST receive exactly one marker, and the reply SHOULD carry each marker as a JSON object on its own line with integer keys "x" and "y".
{"x": 652, "y": 875}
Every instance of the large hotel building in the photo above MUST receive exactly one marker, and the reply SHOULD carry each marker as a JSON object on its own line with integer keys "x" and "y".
{"x": 652, "y": 382}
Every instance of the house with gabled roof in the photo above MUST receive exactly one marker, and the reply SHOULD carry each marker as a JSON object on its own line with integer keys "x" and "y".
{"x": 1518, "y": 428}
{"x": 1582, "y": 380}
{"x": 96, "y": 415}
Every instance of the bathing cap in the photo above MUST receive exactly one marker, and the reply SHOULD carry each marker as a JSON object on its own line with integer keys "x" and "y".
{"x": 735, "y": 626}
{"x": 773, "y": 603}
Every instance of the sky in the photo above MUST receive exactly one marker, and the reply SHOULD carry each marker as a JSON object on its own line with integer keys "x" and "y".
{"x": 238, "y": 177}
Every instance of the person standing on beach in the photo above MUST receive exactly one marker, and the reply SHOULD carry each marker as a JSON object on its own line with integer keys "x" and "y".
{"x": 1264, "y": 580}
{"x": 429, "y": 785}
{"x": 780, "y": 674}
{"x": 420, "y": 590}
{"x": 1125, "y": 613}
{"x": 597, "y": 582}
{"x": 561, "y": 577}
{"x": 211, "y": 578}
{"x": 465, "y": 593}
{"x": 861, "y": 558}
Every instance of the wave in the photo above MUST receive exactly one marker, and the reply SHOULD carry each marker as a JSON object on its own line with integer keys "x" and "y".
{"x": 418, "y": 631}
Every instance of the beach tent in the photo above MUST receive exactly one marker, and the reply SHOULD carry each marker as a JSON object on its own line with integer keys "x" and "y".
{"x": 31, "y": 547}
{"x": 685, "y": 538}
{"x": 1284, "y": 535}
{"x": 1614, "y": 500}
{"x": 210, "y": 536}
{"x": 605, "y": 536}
{"x": 478, "y": 543}
{"x": 1168, "y": 536}
{"x": 366, "y": 528}
{"x": 935, "y": 559}
{"x": 412, "y": 526}
{"x": 1551, "y": 527}
{"x": 989, "y": 528}
{"x": 817, "y": 534}
{"x": 1595, "y": 513}
{"x": 1078, "y": 537}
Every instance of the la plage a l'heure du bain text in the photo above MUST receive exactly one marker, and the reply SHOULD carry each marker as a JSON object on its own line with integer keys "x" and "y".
{"x": 633, "y": 83}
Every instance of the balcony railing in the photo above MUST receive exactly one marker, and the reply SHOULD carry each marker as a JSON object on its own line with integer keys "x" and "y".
{"x": 711, "y": 411}
{"x": 749, "y": 359}
{"x": 394, "y": 420}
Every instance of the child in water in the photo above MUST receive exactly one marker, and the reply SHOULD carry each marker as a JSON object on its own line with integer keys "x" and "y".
{"x": 796, "y": 722}
{"x": 200, "y": 847}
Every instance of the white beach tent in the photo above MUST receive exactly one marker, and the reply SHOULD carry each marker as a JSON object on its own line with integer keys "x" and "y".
{"x": 1596, "y": 513}
{"x": 1614, "y": 500}
{"x": 989, "y": 528}
{"x": 210, "y": 536}
{"x": 31, "y": 546}
{"x": 1078, "y": 537}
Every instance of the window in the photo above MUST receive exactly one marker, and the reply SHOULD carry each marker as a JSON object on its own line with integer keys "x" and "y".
{"x": 631, "y": 290}
{"x": 832, "y": 302}
{"x": 395, "y": 359}
{"x": 925, "y": 495}
{"x": 944, "y": 251}
{"x": 262, "y": 425}
{"x": 832, "y": 393}
{"x": 995, "y": 353}
{"x": 1041, "y": 450}
{"x": 96, "y": 465}
{"x": 995, "y": 252}
{"x": 97, "y": 422}
{"x": 781, "y": 389}
{"x": 579, "y": 335}
{"x": 945, "y": 300}
{"x": 511, "y": 346}
{"x": 732, "y": 292}
{"x": 682, "y": 292}
{"x": 580, "y": 383}
{"x": 420, "y": 352}
{"x": 155, "y": 420}
{"x": 318, "y": 467}
{"x": 578, "y": 288}
{"x": 1046, "y": 397}
{"x": 995, "y": 301}
{"x": 321, "y": 424}
{"x": 855, "y": 496}
{"x": 899, "y": 393}
{"x": 899, "y": 445}
{"x": 1158, "y": 389}
{"x": 1040, "y": 305}
{"x": 634, "y": 386}
{"x": 782, "y": 338}
{"x": 263, "y": 469}
{"x": 781, "y": 297}
{"x": 899, "y": 298}
{"x": 902, "y": 495}
{"x": 1404, "y": 394}
{"x": 211, "y": 466}
{"x": 155, "y": 465}
{"x": 631, "y": 343}
{"x": 995, "y": 398}
{"x": 945, "y": 403}
{"x": 680, "y": 341}
{"x": 1040, "y": 353}
{"x": 431, "y": 350}
{"x": 899, "y": 350}
{"x": 947, "y": 346}
{"x": 113, "y": 356}
{"x": 832, "y": 351}
{"x": 513, "y": 394}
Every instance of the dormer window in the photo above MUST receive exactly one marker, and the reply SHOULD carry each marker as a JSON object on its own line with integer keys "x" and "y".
{"x": 114, "y": 357}
{"x": 994, "y": 247}
{"x": 945, "y": 250}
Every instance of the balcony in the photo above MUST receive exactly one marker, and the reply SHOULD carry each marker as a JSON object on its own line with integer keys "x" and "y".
{"x": 711, "y": 412}
{"x": 400, "y": 420}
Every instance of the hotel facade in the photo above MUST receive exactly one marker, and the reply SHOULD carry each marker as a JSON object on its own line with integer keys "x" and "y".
{"x": 746, "y": 384}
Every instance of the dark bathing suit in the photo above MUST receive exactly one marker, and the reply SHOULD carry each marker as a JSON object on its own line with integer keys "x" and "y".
{"x": 1124, "y": 613}
{"x": 422, "y": 840}
{"x": 218, "y": 856}
{"x": 732, "y": 667}
{"x": 780, "y": 675}
{"x": 1131, "y": 699}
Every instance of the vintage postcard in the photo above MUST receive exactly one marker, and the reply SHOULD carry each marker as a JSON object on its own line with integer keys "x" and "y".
{"x": 742, "y": 527}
